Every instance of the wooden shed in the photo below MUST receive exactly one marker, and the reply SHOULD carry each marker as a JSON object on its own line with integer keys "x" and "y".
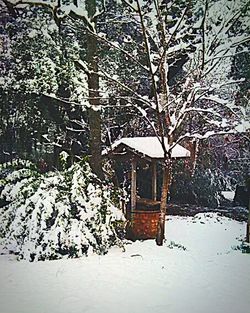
{"x": 142, "y": 213}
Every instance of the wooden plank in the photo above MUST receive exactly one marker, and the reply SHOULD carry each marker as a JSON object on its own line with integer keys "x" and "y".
{"x": 147, "y": 202}
{"x": 133, "y": 185}
{"x": 154, "y": 181}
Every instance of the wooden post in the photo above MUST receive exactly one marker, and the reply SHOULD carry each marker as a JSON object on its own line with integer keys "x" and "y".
{"x": 133, "y": 185}
{"x": 154, "y": 181}
{"x": 248, "y": 233}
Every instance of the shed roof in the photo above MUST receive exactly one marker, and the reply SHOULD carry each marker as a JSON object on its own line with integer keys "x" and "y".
{"x": 150, "y": 147}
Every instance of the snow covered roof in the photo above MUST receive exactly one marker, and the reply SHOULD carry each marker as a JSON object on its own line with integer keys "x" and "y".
{"x": 150, "y": 147}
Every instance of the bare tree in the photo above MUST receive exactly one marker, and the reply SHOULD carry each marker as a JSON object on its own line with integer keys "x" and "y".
{"x": 203, "y": 44}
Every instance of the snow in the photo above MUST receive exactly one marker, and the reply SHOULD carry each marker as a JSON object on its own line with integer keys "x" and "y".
{"x": 243, "y": 127}
{"x": 151, "y": 147}
{"x": 229, "y": 195}
{"x": 209, "y": 276}
{"x": 42, "y": 219}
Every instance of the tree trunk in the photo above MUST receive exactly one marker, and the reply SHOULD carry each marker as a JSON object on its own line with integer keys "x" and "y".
{"x": 166, "y": 179}
{"x": 95, "y": 142}
{"x": 94, "y": 112}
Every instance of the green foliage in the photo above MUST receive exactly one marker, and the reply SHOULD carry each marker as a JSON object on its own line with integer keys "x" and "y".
{"x": 37, "y": 67}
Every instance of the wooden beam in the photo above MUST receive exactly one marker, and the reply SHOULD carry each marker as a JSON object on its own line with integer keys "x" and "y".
{"x": 154, "y": 181}
{"x": 133, "y": 185}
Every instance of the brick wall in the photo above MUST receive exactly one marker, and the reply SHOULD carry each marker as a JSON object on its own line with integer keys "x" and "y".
{"x": 142, "y": 225}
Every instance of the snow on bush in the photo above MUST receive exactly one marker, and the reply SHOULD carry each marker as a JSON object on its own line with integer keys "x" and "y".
{"x": 69, "y": 212}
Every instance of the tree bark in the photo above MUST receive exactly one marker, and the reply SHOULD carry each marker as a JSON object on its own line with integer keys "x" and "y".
{"x": 166, "y": 179}
{"x": 93, "y": 85}
{"x": 95, "y": 142}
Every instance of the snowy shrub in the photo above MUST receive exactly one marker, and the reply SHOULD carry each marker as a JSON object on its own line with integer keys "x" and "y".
{"x": 46, "y": 216}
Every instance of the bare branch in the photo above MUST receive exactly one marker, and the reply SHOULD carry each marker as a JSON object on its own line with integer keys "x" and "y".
{"x": 203, "y": 36}
{"x": 171, "y": 37}
{"x": 111, "y": 44}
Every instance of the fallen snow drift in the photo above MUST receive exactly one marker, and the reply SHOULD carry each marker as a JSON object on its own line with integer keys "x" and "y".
{"x": 195, "y": 271}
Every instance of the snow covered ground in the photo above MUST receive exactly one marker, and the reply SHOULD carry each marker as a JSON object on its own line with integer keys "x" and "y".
{"x": 196, "y": 271}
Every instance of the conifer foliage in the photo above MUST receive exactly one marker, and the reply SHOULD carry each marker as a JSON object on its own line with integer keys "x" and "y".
{"x": 65, "y": 213}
